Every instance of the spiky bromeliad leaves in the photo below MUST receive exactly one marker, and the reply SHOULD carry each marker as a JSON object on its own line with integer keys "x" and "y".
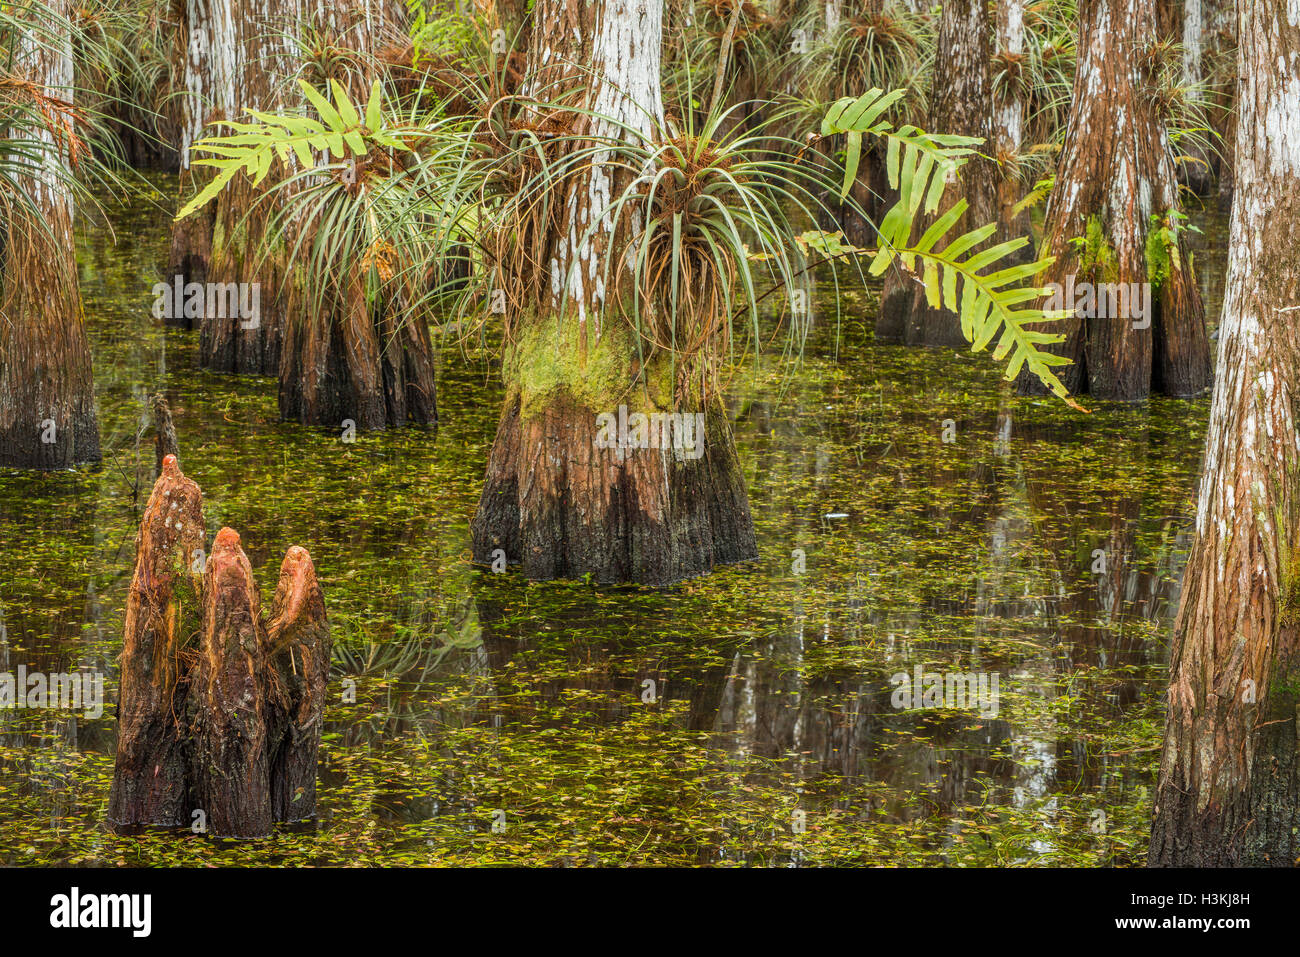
{"x": 693, "y": 291}
{"x": 990, "y": 302}
{"x": 356, "y": 281}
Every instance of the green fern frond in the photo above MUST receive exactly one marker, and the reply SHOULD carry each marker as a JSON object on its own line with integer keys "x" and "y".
{"x": 991, "y": 298}
{"x": 252, "y": 148}
{"x": 1035, "y": 196}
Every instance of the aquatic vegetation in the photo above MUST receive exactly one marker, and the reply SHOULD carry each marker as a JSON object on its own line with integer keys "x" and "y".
{"x": 477, "y": 693}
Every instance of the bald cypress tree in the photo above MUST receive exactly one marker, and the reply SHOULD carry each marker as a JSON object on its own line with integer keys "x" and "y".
{"x": 1229, "y": 786}
{"x": 47, "y": 399}
{"x": 555, "y": 500}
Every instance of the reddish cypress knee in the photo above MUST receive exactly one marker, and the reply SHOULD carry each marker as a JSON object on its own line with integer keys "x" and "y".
{"x": 299, "y": 638}
{"x": 162, "y": 611}
{"x": 231, "y": 765}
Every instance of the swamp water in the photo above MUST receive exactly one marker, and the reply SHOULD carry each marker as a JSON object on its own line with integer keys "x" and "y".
{"x": 912, "y": 513}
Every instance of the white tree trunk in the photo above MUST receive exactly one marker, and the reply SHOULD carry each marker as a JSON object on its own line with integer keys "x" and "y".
{"x": 209, "y": 70}
{"x": 1228, "y": 774}
{"x": 1009, "y": 108}
{"x": 624, "y": 86}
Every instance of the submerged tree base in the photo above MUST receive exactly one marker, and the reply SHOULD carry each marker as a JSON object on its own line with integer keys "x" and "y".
{"x": 571, "y": 491}
{"x": 149, "y": 777}
{"x": 347, "y": 358}
{"x": 1250, "y": 821}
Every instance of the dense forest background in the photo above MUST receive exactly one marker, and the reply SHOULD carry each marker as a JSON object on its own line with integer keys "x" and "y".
{"x": 654, "y": 384}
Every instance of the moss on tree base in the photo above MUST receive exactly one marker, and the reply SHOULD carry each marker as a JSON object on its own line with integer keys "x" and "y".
{"x": 561, "y": 502}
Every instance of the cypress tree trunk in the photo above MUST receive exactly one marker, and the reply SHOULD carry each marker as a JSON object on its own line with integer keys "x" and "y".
{"x": 1198, "y": 171}
{"x": 1229, "y": 787}
{"x": 555, "y": 500}
{"x": 298, "y": 638}
{"x": 260, "y": 34}
{"x": 209, "y": 45}
{"x": 1115, "y": 186}
{"x": 47, "y": 396}
{"x": 230, "y": 698}
{"x": 961, "y": 102}
{"x": 1008, "y": 122}
{"x": 354, "y": 352}
{"x": 1222, "y": 59}
{"x": 350, "y": 355}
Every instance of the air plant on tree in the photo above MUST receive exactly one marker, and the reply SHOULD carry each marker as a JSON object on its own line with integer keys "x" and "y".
{"x": 47, "y": 159}
{"x": 874, "y": 45}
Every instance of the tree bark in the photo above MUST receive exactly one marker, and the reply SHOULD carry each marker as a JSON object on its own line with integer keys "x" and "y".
{"x": 1222, "y": 35}
{"x": 162, "y": 613}
{"x": 47, "y": 396}
{"x": 1115, "y": 185}
{"x": 350, "y": 358}
{"x": 260, "y": 33}
{"x": 231, "y": 698}
{"x": 209, "y": 43}
{"x": 298, "y": 636}
{"x": 961, "y": 102}
{"x": 553, "y": 499}
{"x": 1007, "y": 134}
{"x": 165, "y": 441}
{"x": 229, "y": 725}
{"x": 1229, "y": 771}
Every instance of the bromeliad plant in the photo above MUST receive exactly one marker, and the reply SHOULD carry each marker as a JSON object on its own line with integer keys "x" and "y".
{"x": 724, "y": 53}
{"x": 352, "y": 193}
{"x": 885, "y": 48}
{"x": 705, "y": 222}
{"x": 46, "y": 135}
{"x": 708, "y": 225}
{"x": 349, "y": 351}
{"x": 340, "y": 135}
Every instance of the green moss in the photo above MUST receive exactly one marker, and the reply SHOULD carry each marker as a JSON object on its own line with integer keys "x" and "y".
{"x": 546, "y": 359}
{"x": 1289, "y": 602}
{"x": 1163, "y": 256}
{"x": 1162, "y": 251}
{"x": 1096, "y": 255}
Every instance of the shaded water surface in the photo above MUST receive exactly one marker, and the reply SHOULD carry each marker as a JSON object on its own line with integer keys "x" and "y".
{"x": 912, "y": 512}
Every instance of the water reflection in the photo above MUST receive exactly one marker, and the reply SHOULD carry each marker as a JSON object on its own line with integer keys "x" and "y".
{"x": 480, "y": 718}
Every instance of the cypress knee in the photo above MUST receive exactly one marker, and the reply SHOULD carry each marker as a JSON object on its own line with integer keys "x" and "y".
{"x": 299, "y": 637}
{"x": 165, "y": 442}
{"x": 231, "y": 765}
{"x": 162, "y": 611}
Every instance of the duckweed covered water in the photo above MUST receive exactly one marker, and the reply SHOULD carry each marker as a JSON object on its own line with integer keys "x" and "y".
{"x": 744, "y": 718}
